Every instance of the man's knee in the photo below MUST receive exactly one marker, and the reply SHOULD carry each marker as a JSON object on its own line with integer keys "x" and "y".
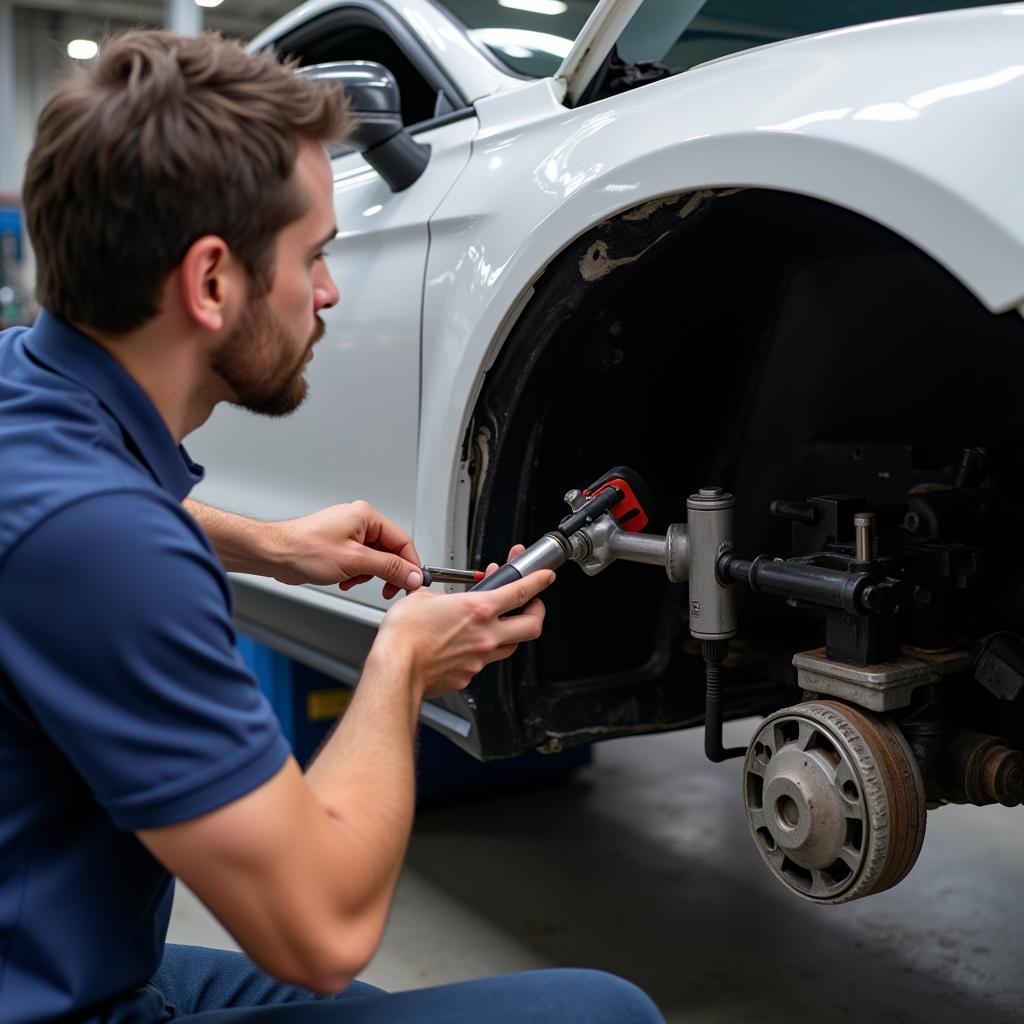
{"x": 602, "y": 998}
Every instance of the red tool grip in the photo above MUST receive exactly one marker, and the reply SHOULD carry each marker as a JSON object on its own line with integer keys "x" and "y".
{"x": 632, "y": 512}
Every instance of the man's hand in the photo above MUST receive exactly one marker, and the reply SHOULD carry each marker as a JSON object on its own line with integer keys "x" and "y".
{"x": 343, "y": 544}
{"x": 446, "y": 639}
{"x": 347, "y": 545}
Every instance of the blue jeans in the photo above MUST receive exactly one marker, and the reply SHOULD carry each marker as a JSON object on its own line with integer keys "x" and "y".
{"x": 211, "y": 986}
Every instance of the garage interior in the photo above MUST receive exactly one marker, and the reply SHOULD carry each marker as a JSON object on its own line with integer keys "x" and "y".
{"x": 640, "y": 862}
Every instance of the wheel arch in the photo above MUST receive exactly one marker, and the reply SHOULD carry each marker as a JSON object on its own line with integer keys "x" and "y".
{"x": 546, "y": 419}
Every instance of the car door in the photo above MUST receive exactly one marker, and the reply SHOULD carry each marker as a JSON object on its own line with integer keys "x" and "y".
{"x": 356, "y": 434}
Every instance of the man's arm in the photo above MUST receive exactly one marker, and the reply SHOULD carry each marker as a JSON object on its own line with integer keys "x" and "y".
{"x": 344, "y": 544}
{"x": 302, "y": 870}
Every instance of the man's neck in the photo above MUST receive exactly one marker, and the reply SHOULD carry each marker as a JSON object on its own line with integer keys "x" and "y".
{"x": 168, "y": 368}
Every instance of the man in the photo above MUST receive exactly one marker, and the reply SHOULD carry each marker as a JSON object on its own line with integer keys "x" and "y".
{"x": 178, "y": 197}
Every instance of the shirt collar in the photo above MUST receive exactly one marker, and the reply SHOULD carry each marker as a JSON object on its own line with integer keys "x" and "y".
{"x": 74, "y": 355}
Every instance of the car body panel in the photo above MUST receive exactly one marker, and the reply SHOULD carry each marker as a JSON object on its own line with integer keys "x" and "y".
{"x": 912, "y": 123}
{"x": 927, "y": 146}
{"x": 365, "y": 370}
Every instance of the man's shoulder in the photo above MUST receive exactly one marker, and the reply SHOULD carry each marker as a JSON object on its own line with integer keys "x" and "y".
{"x": 58, "y": 445}
{"x": 128, "y": 526}
{"x": 130, "y": 562}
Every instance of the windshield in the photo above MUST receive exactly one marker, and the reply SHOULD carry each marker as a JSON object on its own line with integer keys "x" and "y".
{"x": 531, "y": 37}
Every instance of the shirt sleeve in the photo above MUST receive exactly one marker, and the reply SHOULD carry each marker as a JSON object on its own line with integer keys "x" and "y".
{"x": 115, "y": 628}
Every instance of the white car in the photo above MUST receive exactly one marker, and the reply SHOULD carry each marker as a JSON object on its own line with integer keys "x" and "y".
{"x": 777, "y": 251}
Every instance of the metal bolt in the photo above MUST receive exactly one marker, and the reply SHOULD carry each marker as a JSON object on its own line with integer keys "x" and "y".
{"x": 574, "y": 499}
{"x": 863, "y": 527}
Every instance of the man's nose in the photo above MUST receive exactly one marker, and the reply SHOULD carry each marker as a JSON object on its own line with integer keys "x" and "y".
{"x": 325, "y": 291}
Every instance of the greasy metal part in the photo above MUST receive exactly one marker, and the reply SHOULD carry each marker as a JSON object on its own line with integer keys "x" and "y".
{"x": 973, "y": 463}
{"x": 999, "y": 665}
{"x": 590, "y": 510}
{"x": 983, "y": 770}
{"x": 864, "y": 540}
{"x": 835, "y": 801}
{"x": 795, "y": 511}
{"x": 829, "y": 588}
{"x": 882, "y": 687}
{"x": 575, "y": 499}
{"x": 647, "y": 548}
{"x": 596, "y": 546}
{"x": 677, "y": 555}
{"x": 710, "y": 515}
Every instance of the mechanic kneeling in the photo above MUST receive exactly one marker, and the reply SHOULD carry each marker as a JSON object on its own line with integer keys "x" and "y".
{"x": 179, "y": 197}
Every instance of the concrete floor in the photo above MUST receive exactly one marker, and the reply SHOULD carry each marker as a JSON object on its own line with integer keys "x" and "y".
{"x": 642, "y": 865}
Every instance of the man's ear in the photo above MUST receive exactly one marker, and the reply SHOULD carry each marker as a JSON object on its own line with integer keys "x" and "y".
{"x": 209, "y": 277}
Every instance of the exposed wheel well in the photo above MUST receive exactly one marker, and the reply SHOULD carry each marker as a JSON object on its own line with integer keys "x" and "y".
{"x": 769, "y": 343}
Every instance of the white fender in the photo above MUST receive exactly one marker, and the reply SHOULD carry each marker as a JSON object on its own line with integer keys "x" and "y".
{"x": 913, "y": 123}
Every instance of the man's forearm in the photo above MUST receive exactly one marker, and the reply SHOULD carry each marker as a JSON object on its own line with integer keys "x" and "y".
{"x": 242, "y": 544}
{"x": 364, "y": 777}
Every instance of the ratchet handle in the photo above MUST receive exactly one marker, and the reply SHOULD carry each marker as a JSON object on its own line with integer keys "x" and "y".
{"x": 508, "y": 573}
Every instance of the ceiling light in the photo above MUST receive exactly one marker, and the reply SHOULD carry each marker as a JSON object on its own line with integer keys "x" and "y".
{"x": 533, "y": 6}
{"x": 208, "y": 3}
{"x": 82, "y": 49}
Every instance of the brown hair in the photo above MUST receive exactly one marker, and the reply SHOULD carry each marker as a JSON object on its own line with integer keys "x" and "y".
{"x": 165, "y": 139}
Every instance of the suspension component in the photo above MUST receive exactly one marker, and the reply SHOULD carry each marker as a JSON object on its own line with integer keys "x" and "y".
{"x": 983, "y": 770}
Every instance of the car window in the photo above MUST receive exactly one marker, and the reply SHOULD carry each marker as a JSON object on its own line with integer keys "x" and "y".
{"x": 532, "y": 37}
{"x": 327, "y": 40}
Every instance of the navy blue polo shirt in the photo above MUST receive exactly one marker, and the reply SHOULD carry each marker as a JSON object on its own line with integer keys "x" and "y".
{"x": 123, "y": 703}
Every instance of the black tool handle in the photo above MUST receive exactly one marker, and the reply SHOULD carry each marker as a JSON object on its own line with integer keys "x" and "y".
{"x": 508, "y": 573}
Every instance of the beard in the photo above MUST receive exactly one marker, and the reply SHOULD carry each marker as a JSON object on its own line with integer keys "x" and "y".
{"x": 257, "y": 361}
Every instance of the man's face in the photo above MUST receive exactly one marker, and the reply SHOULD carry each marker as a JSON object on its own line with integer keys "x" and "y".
{"x": 264, "y": 358}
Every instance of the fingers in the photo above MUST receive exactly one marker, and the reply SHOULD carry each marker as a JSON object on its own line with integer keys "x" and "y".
{"x": 388, "y": 566}
{"x": 501, "y": 653}
{"x": 384, "y": 535}
{"x": 518, "y": 594}
{"x": 354, "y": 581}
{"x": 517, "y": 629}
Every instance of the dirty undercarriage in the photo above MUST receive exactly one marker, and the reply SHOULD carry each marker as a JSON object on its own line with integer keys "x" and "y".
{"x": 782, "y": 349}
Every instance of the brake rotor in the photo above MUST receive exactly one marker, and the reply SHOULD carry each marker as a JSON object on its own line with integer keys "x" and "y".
{"x": 835, "y": 800}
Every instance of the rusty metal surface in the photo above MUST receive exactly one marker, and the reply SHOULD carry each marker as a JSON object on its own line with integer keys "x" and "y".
{"x": 902, "y": 778}
{"x": 984, "y": 770}
{"x": 835, "y": 801}
{"x": 883, "y": 687}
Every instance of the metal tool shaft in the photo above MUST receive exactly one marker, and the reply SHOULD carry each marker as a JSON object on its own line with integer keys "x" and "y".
{"x": 551, "y": 551}
{"x": 436, "y": 574}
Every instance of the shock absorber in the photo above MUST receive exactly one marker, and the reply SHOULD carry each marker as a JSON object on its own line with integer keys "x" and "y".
{"x": 710, "y": 519}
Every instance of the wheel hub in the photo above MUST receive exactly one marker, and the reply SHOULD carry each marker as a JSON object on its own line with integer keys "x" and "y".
{"x": 834, "y": 800}
{"x": 803, "y": 813}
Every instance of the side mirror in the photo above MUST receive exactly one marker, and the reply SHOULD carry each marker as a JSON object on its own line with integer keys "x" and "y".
{"x": 380, "y": 134}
